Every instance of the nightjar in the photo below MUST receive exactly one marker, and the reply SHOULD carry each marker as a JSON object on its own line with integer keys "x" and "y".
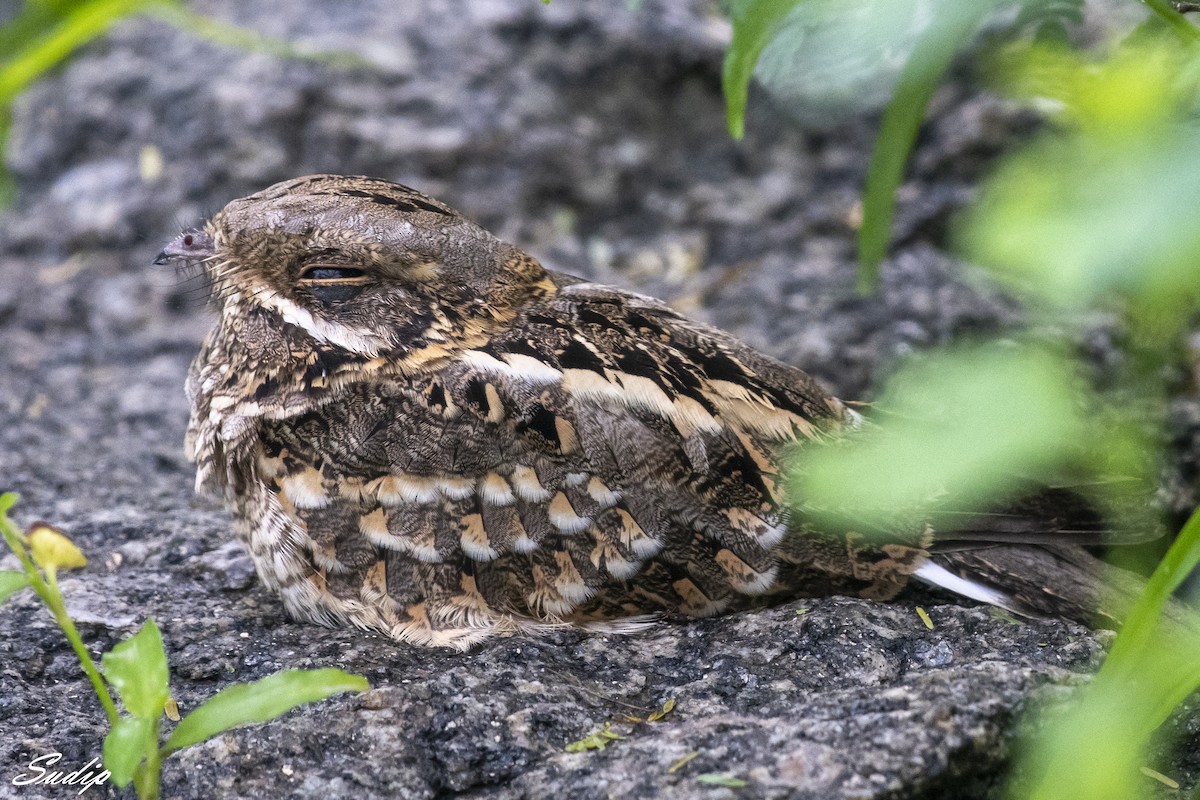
{"x": 420, "y": 430}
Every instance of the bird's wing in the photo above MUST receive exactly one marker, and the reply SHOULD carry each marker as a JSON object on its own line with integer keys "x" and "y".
{"x": 603, "y": 457}
{"x": 1116, "y": 511}
{"x": 638, "y": 443}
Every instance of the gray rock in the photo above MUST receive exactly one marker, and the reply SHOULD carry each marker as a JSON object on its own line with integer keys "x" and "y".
{"x": 593, "y": 135}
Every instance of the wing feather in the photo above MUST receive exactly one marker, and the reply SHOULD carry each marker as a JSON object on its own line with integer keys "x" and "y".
{"x": 603, "y": 456}
{"x": 640, "y": 444}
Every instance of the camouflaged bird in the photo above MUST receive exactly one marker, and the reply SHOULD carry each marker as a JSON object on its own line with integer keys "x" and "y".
{"x": 420, "y": 430}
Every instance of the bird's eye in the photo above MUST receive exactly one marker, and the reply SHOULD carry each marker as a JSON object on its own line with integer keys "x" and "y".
{"x": 324, "y": 273}
{"x": 333, "y": 284}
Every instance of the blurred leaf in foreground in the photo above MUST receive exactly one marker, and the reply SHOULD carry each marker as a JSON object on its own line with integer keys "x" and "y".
{"x": 1095, "y": 750}
{"x": 957, "y": 428}
{"x": 1108, "y": 205}
{"x": 12, "y": 582}
{"x": 824, "y": 61}
{"x": 1098, "y": 212}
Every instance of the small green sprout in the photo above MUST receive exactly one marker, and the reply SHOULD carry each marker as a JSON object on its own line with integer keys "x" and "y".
{"x": 137, "y": 670}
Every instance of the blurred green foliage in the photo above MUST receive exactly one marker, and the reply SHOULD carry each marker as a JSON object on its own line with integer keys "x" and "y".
{"x": 1095, "y": 213}
{"x": 1105, "y": 211}
{"x": 1095, "y": 749}
{"x": 960, "y": 428}
{"x": 825, "y": 60}
{"x": 46, "y": 33}
{"x": 43, "y": 35}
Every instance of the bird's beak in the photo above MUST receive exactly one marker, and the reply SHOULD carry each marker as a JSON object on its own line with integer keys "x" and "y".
{"x": 191, "y": 246}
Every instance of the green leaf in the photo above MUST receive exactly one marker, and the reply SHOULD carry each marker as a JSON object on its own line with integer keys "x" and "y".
{"x": 137, "y": 669}
{"x": 955, "y": 23}
{"x": 755, "y": 23}
{"x": 660, "y": 714}
{"x": 1141, "y": 625}
{"x": 129, "y": 743}
{"x": 60, "y": 39}
{"x": 11, "y": 582}
{"x": 1177, "y": 21}
{"x": 597, "y": 740}
{"x": 1079, "y": 754}
{"x": 1101, "y": 204}
{"x": 955, "y": 430}
{"x": 1107, "y": 209}
{"x": 260, "y": 701}
{"x": 7, "y": 501}
{"x": 831, "y": 61}
{"x": 721, "y": 779}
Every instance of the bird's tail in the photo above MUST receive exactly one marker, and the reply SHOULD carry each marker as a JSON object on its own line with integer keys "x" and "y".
{"x": 1046, "y": 581}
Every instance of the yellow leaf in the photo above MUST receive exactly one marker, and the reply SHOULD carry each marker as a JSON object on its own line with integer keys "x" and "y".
{"x": 150, "y": 163}
{"x": 52, "y": 549}
{"x": 924, "y": 615}
{"x": 678, "y": 765}
{"x": 667, "y": 708}
{"x": 1158, "y": 776}
{"x": 595, "y": 741}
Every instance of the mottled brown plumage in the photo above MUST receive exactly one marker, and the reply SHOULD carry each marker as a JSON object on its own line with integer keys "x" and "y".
{"x": 420, "y": 430}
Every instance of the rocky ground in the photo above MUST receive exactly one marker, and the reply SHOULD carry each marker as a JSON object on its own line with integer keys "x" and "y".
{"x": 593, "y": 135}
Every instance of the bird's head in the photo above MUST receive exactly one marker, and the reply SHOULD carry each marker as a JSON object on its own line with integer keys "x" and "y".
{"x": 361, "y": 265}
